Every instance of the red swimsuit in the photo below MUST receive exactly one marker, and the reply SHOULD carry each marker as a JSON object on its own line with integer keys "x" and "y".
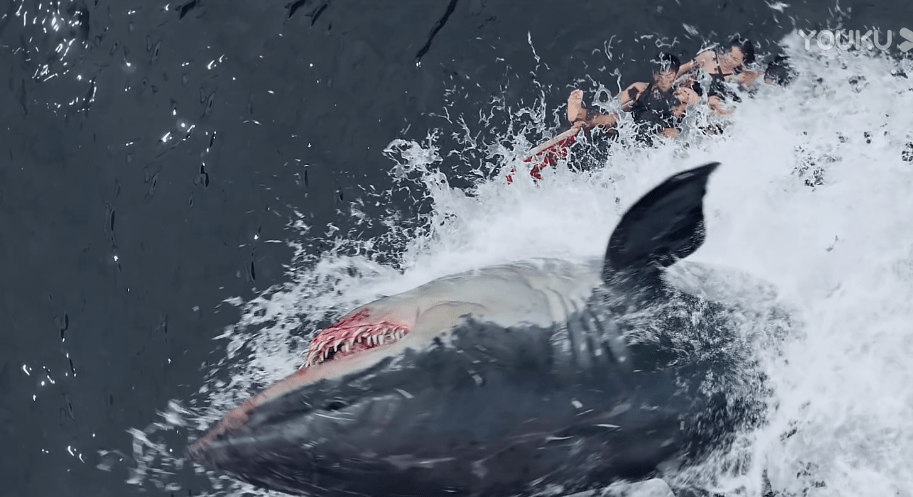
{"x": 548, "y": 153}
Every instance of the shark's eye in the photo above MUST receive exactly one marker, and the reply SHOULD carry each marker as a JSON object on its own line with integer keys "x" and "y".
{"x": 335, "y": 405}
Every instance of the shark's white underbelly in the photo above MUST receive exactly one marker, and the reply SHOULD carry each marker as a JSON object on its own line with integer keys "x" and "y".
{"x": 537, "y": 292}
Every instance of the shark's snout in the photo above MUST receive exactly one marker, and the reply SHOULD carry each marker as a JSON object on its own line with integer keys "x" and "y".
{"x": 225, "y": 451}
{"x": 254, "y": 442}
{"x": 227, "y": 444}
{"x": 213, "y": 454}
{"x": 274, "y": 424}
{"x": 257, "y": 456}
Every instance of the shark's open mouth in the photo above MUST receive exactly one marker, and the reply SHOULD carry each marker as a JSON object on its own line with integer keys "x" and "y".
{"x": 336, "y": 343}
{"x": 351, "y": 335}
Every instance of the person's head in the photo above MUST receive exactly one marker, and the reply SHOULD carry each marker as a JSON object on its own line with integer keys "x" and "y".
{"x": 664, "y": 76}
{"x": 741, "y": 52}
{"x": 779, "y": 72}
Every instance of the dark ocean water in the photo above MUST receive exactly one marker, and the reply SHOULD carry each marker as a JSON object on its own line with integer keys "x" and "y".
{"x": 149, "y": 153}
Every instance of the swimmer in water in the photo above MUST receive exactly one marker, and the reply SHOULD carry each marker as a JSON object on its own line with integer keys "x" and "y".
{"x": 659, "y": 103}
{"x": 722, "y": 67}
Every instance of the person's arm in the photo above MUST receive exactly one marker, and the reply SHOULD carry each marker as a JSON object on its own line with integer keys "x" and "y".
{"x": 746, "y": 78}
{"x": 606, "y": 120}
{"x": 716, "y": 105}
{"x": 684, "y": 68}
{"x": 686, "y": 96}
{"x": 578, "y": 115}
{"x": 697, "y": 62}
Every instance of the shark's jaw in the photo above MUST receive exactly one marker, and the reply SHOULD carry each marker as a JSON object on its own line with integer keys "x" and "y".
{"x": 352, "y": 335}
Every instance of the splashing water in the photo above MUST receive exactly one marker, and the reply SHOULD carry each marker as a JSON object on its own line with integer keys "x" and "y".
{"x": 813, "y": 197}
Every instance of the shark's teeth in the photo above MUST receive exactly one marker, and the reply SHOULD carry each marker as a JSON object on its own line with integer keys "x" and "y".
{"x": 344, "y": 341}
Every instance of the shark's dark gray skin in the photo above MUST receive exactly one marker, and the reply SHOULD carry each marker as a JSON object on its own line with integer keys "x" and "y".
{"x": 612, "y": 374}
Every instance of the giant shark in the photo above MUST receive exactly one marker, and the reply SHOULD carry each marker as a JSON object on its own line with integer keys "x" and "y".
{"x": 513, "y": 379}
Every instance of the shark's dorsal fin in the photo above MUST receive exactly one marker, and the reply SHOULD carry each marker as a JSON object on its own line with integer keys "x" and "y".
{"x": 665, "y": 225}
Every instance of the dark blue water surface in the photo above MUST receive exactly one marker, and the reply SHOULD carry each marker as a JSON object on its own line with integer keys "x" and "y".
{"x": 148, "y": 150}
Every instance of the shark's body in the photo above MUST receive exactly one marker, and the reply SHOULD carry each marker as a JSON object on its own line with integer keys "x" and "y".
{"x": 509, "y": 379}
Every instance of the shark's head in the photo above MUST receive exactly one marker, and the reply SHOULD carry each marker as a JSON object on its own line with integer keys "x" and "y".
{"x": 471, "y": 383}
